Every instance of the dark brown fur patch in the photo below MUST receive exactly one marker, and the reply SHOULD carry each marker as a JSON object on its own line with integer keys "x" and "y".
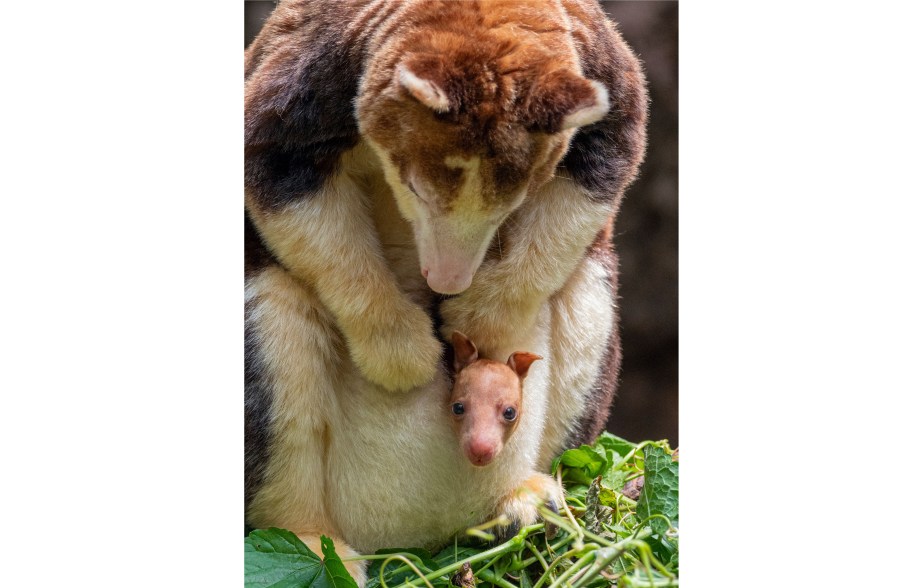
{"x": 257, "y": 412}
{"x": 604, "y": 157}
{"x": 256, "y": 256}
{"x": 301, "y": 75}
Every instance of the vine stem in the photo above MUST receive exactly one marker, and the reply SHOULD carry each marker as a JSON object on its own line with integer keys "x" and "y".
{"x": 580, "y": 540}
{"x": 560, "y": 559}
{"x": 512, "y": 544}
{"x": 644, "y": 584}
{"x": 411, "y": 565}
{"x": 600, "y": 563}
{"x": 489, "y": 576}
{"x": 489, "y": 564}
{"x": 581, "y": 563}
{"x": 538, "y": 557}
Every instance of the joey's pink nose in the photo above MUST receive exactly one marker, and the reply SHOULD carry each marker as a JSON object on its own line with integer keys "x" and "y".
{"x": 480, "y": 452}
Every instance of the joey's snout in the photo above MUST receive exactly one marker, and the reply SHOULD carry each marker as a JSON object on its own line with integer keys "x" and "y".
{"x": 481, "y": 451}
{"x": 485, "y": 399}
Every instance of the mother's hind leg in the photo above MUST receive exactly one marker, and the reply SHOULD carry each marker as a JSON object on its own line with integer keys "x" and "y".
{"x": 293, "y": 362}
{"x": 584, "y": 344}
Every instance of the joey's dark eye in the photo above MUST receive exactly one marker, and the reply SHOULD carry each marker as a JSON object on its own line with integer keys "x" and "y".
{"x": 458, "y": 408}
{"x": 509, "y": 414}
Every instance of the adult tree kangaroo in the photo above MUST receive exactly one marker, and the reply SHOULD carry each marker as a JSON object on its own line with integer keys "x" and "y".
{"x": 415, "y": 167}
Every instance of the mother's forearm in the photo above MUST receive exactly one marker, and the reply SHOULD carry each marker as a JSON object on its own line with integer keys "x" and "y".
{"x": 544, "y": 241}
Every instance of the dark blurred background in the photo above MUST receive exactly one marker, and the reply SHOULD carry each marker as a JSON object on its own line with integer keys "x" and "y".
{"x": 646, "y": 230}
{"x": 647, "y": 237}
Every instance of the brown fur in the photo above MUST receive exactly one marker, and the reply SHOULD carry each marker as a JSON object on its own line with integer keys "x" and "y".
{"x": 606, "y": 159}
{"x": 505, "y": 66}
{"x": 508, "y": 77}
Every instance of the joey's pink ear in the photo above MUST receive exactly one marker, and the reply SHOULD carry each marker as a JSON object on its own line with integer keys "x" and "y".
{"x": 419, "y": 79}
{"x": 520, "y": 361}
{"x": 565, "y": 100}
{"x": 464, "y": 351}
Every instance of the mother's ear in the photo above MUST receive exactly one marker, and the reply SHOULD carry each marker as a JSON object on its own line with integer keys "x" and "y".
{"x": 565, "y": 100}
{"x": 592, "y": 110}
{"x": 420, "y": 76}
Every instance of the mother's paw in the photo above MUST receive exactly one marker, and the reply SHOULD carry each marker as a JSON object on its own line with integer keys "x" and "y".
{"x": 396, "y": 350}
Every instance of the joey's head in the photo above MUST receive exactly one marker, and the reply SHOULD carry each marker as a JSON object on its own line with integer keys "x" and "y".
{"x": 486, "y": 399}
{"x": 466, "y": 124}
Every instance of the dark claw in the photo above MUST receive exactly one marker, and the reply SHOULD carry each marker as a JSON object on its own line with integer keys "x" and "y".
{"x": 504, "y": 534}
{"x": 550, "y": 530}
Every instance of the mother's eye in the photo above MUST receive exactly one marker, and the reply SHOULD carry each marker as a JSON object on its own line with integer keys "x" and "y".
{"x": 413, "y": 190}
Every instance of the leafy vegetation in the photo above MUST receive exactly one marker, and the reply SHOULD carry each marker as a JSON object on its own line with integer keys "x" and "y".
{"x": 605, "y": 538}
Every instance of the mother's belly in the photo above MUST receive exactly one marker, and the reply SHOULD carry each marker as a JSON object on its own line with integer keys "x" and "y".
{"x": 399, "y": 477}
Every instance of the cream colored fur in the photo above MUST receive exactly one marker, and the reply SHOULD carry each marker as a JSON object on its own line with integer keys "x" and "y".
{"x": 379, "y": 469}
{"x": 582, "y": 321}
{"x": 331, "y": 242}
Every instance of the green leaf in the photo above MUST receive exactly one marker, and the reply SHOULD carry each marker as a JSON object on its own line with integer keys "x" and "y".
{"x": 525, "y": 581}
{"x": 276, "y": 558}
{"x": 662, "y": 549}
{"x": 610, "y": 442}
{"x": 338, "y": 575}
{"x": 606, "y": 497}
{"x": 583, "y": 457}
{"x": 582, "y": 465}
{"x": 615, "y": 479}
{"x": 660, "y": 493}
{"x": 576, "y": 476}
{"x": 577, "y": 493}
{"x": 554, "y": 465}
